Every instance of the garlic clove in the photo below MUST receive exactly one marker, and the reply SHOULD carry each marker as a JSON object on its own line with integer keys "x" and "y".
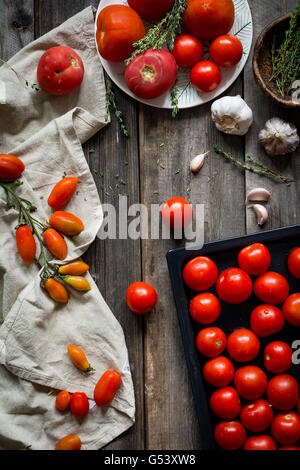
{"x": 258, "y": 194}
{"x": 261, "y": 213}
{"x": 279, "y": 137}
{"x": 198, "y": 162}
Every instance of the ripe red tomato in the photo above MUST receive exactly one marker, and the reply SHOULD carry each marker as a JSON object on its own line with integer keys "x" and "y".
{"x": 257, "y": 416}
{"x": 206, "y": 76}
{"x": 177, "y": 212}
{"x": 289, "y": 448}
{"x": 243, "y": 345}
{"x": 205, "y": 308}
{"x": 152, "y": 9}
{"x": 187, "y": 50}
{"x": 283, "y": 392}
{"x": 225, "y": 403}
{"x": 251, "y": 382}
{"x": 254, "y": 259}
{"x": 141, "y": 297}
{"x": 260, "y": 443}
{"x": 291, "y": 309}
{"x": 62, "y": 192}
{"x": 226, "y": 50}
{"x": 265, "y": 320}
{"x": 218, "y": 372}
{"x": 234, "y": 286}
{"x": 200, "y": 273}
{"x": 118, "y": 27}
{"x": 62, "y": 401}
{"x": 286, "y": 428}
{"x": 271, "y": 288}
{"x": 278, "y": 357}
{"x": 294, "y": 263}
{"x": 11, "y": 167}
{"x": 60, "y": 71}
{"x": 230, "y": 435}
{"x": 211, "y": 341}
{"x": 208, "y": 19}
{"x": 107, "y": 387}
{"x": 26, "y": 244}
{"x": 79, "y": 405}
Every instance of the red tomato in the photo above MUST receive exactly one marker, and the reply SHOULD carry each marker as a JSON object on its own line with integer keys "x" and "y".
{"x": 251, "y": 382}
{"x": 205, "y": 308}
{"x": 26, "y": 244}
{"x": 187, "y": 50}
{"x": 271, "y": 288}
{"x": 230, "y": 435}
{"x": 234, "y": 286}
{"x": 225, "y": 403}
{"x": 200, "y": 273}
{"x": 294, "y": 263}
{"x": 62, "y": 401}
{"x": 70, "y": 442}
{"x": 79, "y": 405}
{"x": 243, "y": 345}
{"x": 257, "y": 416}
{"x": 226, "y": 50}
{"x": 11, "y": 167}
{"x": 141, "y": 297}
{"x": 283, "y": 392}
{"x": 291, "y": 309}
{"x": 289, "y": 448}
{"x": 206, "y": 76}
{"x": 278, "y": 357}
{"x": 218, "y": 372}
{"x": 211, "y": 341}
{"x": 254, "y": 259}
{"x": 107, "y": 387}
{"x": 62, "y": 192}
{"x": 151, "y": 74}
{"x": 177, "y": 212}
{"x": 260, "y": 443}
{"x": 208, "y": 19}
{"x": 118, "y": 27}
{"x": 265, "y": 320}
{"x": 286, "y": 428}
{"x": 151, "y": 9}
{"x": 60, "y": 71}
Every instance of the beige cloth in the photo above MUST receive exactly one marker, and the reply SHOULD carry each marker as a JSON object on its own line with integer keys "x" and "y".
{"x": 47, "y": 134}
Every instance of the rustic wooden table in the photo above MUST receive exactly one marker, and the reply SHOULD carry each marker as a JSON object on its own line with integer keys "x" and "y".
{"x": 165, "y": 415}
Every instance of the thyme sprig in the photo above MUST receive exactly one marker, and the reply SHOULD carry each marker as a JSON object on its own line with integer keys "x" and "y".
{"x": 34, "y": 86}
{"x": 111, "y": 102}
{"x": 174, "y": 99}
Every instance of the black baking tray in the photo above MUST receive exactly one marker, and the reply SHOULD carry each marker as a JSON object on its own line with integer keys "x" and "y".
{"x": 224, "y": 253}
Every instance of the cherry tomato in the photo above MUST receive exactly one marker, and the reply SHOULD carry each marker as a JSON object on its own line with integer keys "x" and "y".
{"x": 66, "y": 223}
{"x": 211, "y": 341}
{"x": 219, "y": 371}
{"x": 226, "y": 50}
{"x": 55, "y": 243}
{"x": 205, "y": 308}
{"x": 62, "y": 401}
{"x": 278, "y": 357}
{"x": 234, "y": 286}
{"x": 251, "y": 382}
{"x": 260, "y": 443}
{"x": 230, "y": 435}
{"x": 187, "y": 50}
{"x": 177, "y": 212}
{"x": 107, "y": 387}
{"x": 291, "y": 309}
{"x": 200, "y": 273}
{"x": 286, "y": 428}
{"x": 206, "y": 76}
{"x": 11, "y": 167}
{"x": 271, "y": 288}
{"x": 151, "y": 9}
{"x": 70, "y": 442}
{"x": 225, "y": 403}
{"x": 289, "y": 448}
{"x": 294, "y": 263}
{"x": 254, "y": 259}
{"x": 79, "y": 405}
{"x": 243, "y": 345}
{"x": 75, "y": 268}
{"x": 265, "y": 320}
{"x": 257, "y": 416}
{"x": 26, "y": 244}
{"x": 141, "y": 297}
{"x": 62, "y": 192}
{"x": 283, "y": 392}
{"x": 79, "y": 359}
{"x": 57, "y": 291}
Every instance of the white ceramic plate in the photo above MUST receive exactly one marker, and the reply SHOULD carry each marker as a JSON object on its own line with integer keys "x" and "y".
{"x": 188, "y": 95}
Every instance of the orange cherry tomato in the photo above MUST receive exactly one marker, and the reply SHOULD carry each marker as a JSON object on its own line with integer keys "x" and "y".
{"x": 55, "y": 243}
{"x": 79, "y": 405}
{"x": 62, "y": 192}
{"x": 77, "y": 282}
{"x": 75, "y": 268}
{"x": 106, "y": 388}
{"x": 26, "y": 244}
{"x": 62, "y": 401}
{"x": 11, "y": 167}
{"x": 57, "y": 291}
{"x": 79, "y": 359}
{"x": 70, "y": 442}
{"x": 66, "y": 223}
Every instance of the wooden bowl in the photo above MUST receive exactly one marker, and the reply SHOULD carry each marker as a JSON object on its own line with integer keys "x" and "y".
{"x": 262, "y": 61}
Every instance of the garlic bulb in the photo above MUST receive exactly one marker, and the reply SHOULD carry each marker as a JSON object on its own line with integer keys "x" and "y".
{"x": 279, "y": 137}
{"x": 232, "y": 115}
